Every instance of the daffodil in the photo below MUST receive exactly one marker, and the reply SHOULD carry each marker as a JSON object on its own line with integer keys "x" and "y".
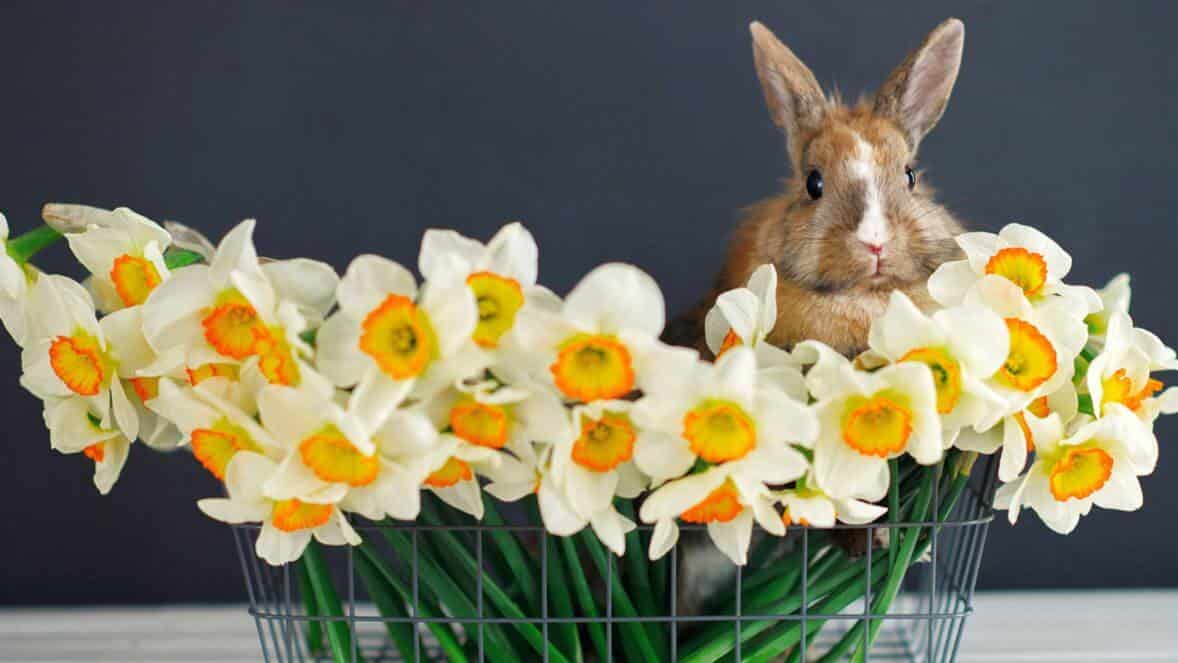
{"x": 233, "y": 310}
{"x": 389, "y": 337}
{"x": 212, "y": 422}
{"x": 453, "y": 467}
{"x": 864, "y": 419}
{"x": 807, "y": 505}
{"x": 1097, "y": 465}
{"x": 1015, "y": 433}
{"x": 125, "y": 257}
{"x": 727, "y": 498}
{"x": 74, "y": 429}
{"x": 1115, "y": 297}
{"x": 962, "y": 346}
{"x": 601, "y": 342}
{"x": 14, "y": 289}
{"x": 745, "y": 316}
{"x": 500, "y": 274}
{"x": 723, "y": 413}
{"x": 495, "y": 415}
{"x": 287, "y": 524}
{"x": 1020, "y": 254}
{"x": 70, "y": 354}
{"x": 593, "y": 457}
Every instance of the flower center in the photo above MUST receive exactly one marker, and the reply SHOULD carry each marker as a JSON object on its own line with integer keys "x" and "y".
{"x": 731, "y": 340}
{"x": 134, "y": 278}
{"x": 276, "y": 360}
{"x": 78, "y": 361}
{"x": 877, "y": 426}
{"x": 399, "y": 338}
{"x": 480, "y": 423}
{"x": 604, "y": 443}
{"x": 720, "y": 506}
{"x": 293, "y": 515}
{"x": 145, "y": 388}
{"x": 946, "y": 375}
{"x": 719, "y": 431}
{"x": 449, "y": 474}
{"x": 1039, "y": 407}
{"x": 1021, "y": 267}
{"x": 333, "y": 458}
{"x": 206, "y": 371}
{"x": 232, "y": 327}
{"x": 1118, "y": 388}
{"x": 1080, "y": 472}
{"x": 215, "y": 446}
{"x": 591, "y": 367}
{"x": 1031, "y": 361}
{"x": 499, "y": 299}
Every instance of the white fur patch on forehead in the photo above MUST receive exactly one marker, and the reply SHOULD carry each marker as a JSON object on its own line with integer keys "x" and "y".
{"x": 873, "y": 228}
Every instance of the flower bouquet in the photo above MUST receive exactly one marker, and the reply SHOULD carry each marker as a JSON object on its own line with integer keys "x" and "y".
{"x": 387, "y": 416}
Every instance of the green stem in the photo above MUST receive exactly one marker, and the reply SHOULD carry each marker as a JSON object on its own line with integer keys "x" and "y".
{"x": 637, "y": 570}
{"x": 562, "y": 603}
{"x": 893, "y": 505}
{"x": 636, "y": 633}
{"x": 339, "y": 634}
{"x": 523, "y": 570}
{"x": 314, "y": 628}
{"x": 585, "y": 597}
{"x": 23, "y": 247}
{"x": 427, "y": 610}
{"x": 397, "y": 622}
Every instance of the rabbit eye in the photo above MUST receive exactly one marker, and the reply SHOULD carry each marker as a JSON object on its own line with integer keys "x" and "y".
{"x": 814, "y": 184}
{"x": 911, "y": 174}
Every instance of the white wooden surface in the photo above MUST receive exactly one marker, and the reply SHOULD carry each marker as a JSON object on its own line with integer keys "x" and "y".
{"x": 1064, "y": 627}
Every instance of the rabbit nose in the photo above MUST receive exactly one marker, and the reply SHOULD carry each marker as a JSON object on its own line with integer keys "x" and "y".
{"x": 876, "y": 249}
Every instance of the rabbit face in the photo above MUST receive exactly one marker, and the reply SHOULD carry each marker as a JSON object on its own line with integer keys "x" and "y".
{"x": 861, "y": 219}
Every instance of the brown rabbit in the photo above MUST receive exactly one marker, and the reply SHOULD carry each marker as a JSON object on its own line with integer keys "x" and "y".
{"x": 855, "y": 220}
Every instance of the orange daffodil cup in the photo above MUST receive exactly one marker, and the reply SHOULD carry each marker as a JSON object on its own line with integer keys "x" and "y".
{"x": 316, "y": 399}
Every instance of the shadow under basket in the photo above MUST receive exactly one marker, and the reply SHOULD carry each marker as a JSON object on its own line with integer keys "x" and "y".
{"x": 411, "y": 591}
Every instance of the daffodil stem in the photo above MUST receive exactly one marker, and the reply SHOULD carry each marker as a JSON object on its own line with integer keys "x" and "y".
{"x": 558, "y": 590}
{"x": 636, "y": 634}
{"x": 637, "y": 570}
{"x": 339, "y": 633}
{"x": 23, "y": 247}
{"x": 425, "y": 609}
{"x": 522, "y": 570}
{"x": 314, "y": 628}
{"x": 893, "y": 506}
{"x": 397, "y": 622}
{"x": 585, "y": 597}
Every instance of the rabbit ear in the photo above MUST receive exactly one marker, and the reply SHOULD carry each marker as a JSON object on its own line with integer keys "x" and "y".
{"x": 916, "y": 93}
{"x": 795, "y": 99}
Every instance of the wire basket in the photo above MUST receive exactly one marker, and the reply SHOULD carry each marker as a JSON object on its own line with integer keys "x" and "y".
{"x": 925, "y": 621}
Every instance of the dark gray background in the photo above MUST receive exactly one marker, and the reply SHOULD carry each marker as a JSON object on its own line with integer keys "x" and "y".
{"x": 617, "y": 131}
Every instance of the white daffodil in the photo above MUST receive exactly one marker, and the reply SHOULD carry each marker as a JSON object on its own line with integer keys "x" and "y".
{"x": 1097, "y": 465}
{"x": 866, "y": 418}
{"x": 1115, "y": 297}
{"x": 70, "y": 354}
{"x": 724, "y": 498}
{"x": 723, "y": 413}
{"x": 806, "y": 504}
{"x": 389, "y": 338}
{"x": 1120, "y": 375}
{"x": 593, "y": 457}
{"x": 125, "y": 257}
{"x": 601, "y": 343}
{"x": 962, "y": 346}
{"x": 745, "y": 316}
{"x": 211, "y": 423}
{"x": 1015, "y": 433}
{"x": 453, "y": 467}
{"x": 491, "y": 414}
{"x": 500, "y": 274}
{"x": 287, "y": 524}
{"x": 1020, "y": 254}
{"x": 14, "y": 289}
{"x": 234, "y": 310}
{"x": 73, "y": 429}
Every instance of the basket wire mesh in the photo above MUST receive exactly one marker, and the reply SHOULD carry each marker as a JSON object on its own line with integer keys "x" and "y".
{"x": 925, "y": 623}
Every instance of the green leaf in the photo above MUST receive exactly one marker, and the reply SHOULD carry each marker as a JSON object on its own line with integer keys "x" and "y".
{"x": 400, "y": 632}
{"x": 314, "y": 628}
{"x": 176, "y": 258}
{"x": 339, "y": 633}
{"x": 585, "y": 597}
{"x": 635, "y": 632}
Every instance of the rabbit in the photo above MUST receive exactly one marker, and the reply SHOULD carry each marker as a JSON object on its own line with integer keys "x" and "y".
{"x": 855, "y": 222}
{"x": 856, "y": 219}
